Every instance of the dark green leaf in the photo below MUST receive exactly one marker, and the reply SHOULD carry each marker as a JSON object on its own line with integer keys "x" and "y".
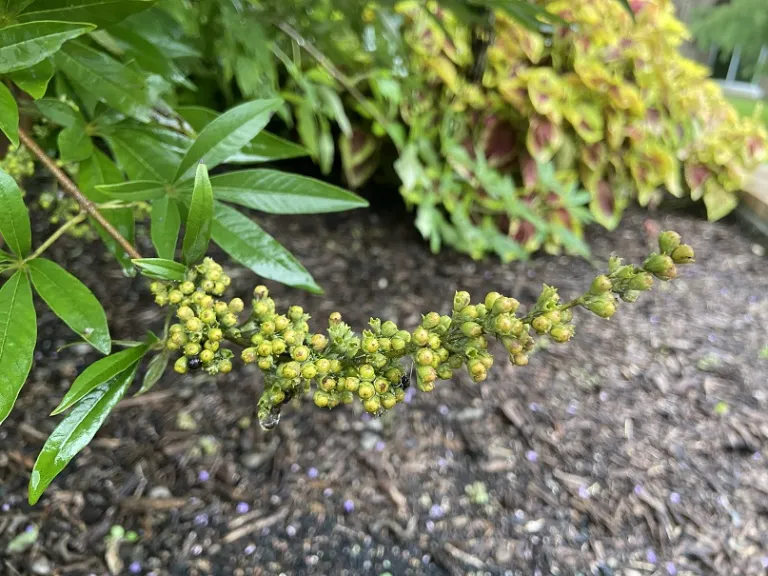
{"x": 14, "y": 217}
{"x": 60, "y": 112}
{"x": 252, "y": 247}
{"x": 74, "y": 144}
{"x": 155, "y": 371}
{"x": 265, "y": 147}
{"x": 283, "y": 193}
{"x": 166, "y": 222}
{"x": 76, "y": 430}
{"x": 161, "y": 269}
{"x": 99, "y": 12}
{"x": 34, "y": 80}
{"x": 227, "y": 134}
{"x": 98, "y": 373}
{"x": 9, "y": 115}
{"x": 71, "y": 301}
{"x": 24, "y": 45}
{"x": 106, "y": 78}
{"x": 147, "y": 55}
{"x": 134, "y": 190}
{"x": 15, "y": 6}
{"x": 96, "y": 171}
{"x": 142, "y": 154}
{"x": 162, "y": 30}
{"x": 197, "y": 233}
{"x": 18, "y": 333}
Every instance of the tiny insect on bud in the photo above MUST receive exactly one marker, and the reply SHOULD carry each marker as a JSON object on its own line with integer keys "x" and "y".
{"x": 683, "y": 254}
{"x": 541, "y": 324}
{"x": 319, "y": 342}
{"x": 431, "y": 320}
{"x": 187, "y": 287}
{"x": 471, "y": 329}
{"x": 206, "y": 356}
{"x": 668, "y": 241}
{"x": 180, "y": 365}
{"x": 328, "y": 384}
{"x": 321, "y": 399}
{"x": 194, "y": 362}
{"x": 323, "y": 366}
{"x": 372, "y": 405}
{"x": 461, "y": 300}
{"x": 225, "y": 366}
{"x": 600, "y": 285}
{"x": 249, "y": 355}
{"x": 366, "y": 390}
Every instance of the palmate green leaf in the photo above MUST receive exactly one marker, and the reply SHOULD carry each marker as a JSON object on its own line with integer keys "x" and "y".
{"x": 197, "y": 233}
{"x": 265, "y": 147}
{"x": 60, "y": 112}
{"x": 98, "y": 373}
{"x": 155, "y": 370}
{"x": 9, "y": 115}
{"x": 14, "y": 217}
{"x": 134, "y": 190}
{"x": 161, "y": 269}
{"x": 76, "y": 430}
{"x": 18, "y": 333}
{"x": 166, "y": 223}
{"x": 74, "y": 144}
{"x": 34, "y": 80}
{"x": 24, "y": 45}
{"x": 98, "y": 12}
{"x": 227, "y": 134}
{"x": 142, "y": 154}
{"x": 109, "y": 80}
{"x": 278, "y": 192}
{"x": 71, "y": 301}
{"x": 252, "y": 247}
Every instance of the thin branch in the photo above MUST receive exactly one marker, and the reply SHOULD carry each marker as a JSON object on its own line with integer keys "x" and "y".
{"x": 56, "y": 235}
{"x": 71, "y": 189}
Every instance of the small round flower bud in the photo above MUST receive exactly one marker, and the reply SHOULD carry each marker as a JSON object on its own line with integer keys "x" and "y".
{"x": 175, "y": 296}
{"x": 277, "y": 396}
{"x": 668, "y": 241}
{"x": 347, "y": 397}
{"x": 351, "y": 383}
{"x": 156, "y": 287}
{"x": 161, "y": 299}
{"x": 219, "y": 288}
{"x": 683, "y": 254}
{"x": 187, "y": 287}
{"x": 603, "y": 307}
{"x": 170, "y": 344}
{"x": 505, "y": 305}
{"x": 225, "y": 366}
{"x": 207, "y": 285}
{"x": 553, "y": 316}
{"x": 378, "y": 360}
{"x": 520, "y": 359}
{"x": 388, "y": 329}
{"x": 461, "y": 300}
{"x": 178, "y": 338}
{"x": 228, "y": 320}
{"x": 561, "y": 333}
{"x": 470, "y": 311}
{"x": 213, "y": 274}
{"x": 264, "y": 349}
{"x": 281, "y": 323}
{"x": 444, "y": 372}
{"x": 431, "y": 320}
{"x": 482, "y": 311}
{"x": 541, "y": 324}
{"x": 372, "y": 405}
{"x": 471, "y": 329}
{"x": 335, "y": 366}
{"x": 661, "y": 266}
{"x": 290, "y": 337}
{"x": 366, "y": 390}
{"x": 334, "y": 318}
{"x": 193, "y": 325}
{"x": 475, "y": 366}
{"x": 641, "y": 282}
{"x": 426, "y": 373}
{"x": 265, "y": 363}
{"x": 208, "y": 316}
{"x": 236, "y": 305}
{"x": 328, "y": 384}
{"x": 198, "y": 296}
{"x": 206, "y": 356}
{"x": 381, "y": 385}
{"x": 295, "y": 313}
{"x": 481, "y": 375}
{"x": 300, "y": 353}
{"x": 319, "y": 342}
{"x": 367, "y": 372}
{"x": 308, "y": 371}
{"x": 260, "y": 308}
{"x": 220, "y": 308}
{"x": 260, "y": 292}
{"x": 398, "y": 345}
{"x": 385, "y": 345}
{"x": 206, "y": 302}
{"x": 421, "y": 336}
{"x": 185, "y": 313}
{"x": 442, "y": 354}
{"x": 323, "y": 366}
{"x": 600, "y": 285}
{"x": 278, "y": 347}
{"x": 393, "y": 375}
{"x": 399, "y": 394}
{"x": 175, "y": 328}
{"x": 211, "y": 345}
{"x": 503, "y": 324}
{"x": 388, "y": 401}
{"x": 249, "y": 355}
{"x": 267, "y": 328}
{"x": 321, "y": 399}
{"x": 425, "y": 357}
{"x": 434, "y": 341}
{"x": 370, "y": 345}
{"x": 455, "y": 361}
{"x": 566, "y": 316}
{"x": 490, "y": 299}
{"x": 289, "y": 370}
{"x": 512, "y": 345}
{"x": 180, "y": 365}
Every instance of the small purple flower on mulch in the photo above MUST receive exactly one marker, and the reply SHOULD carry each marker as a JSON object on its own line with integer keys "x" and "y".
{"x": 312, "y": 473}
{"x": 532, "y": 456}
{"x": 764, "y": 561}
{"x": 674, "y": 497}
{"x": 671, "y": 569}
{"x": 655, "y": 319}
{"x": 430, "y": 526}
{"x": 650, "y": 555}
{"x": 583, "y": 492}
{"x": 443, "y": 409}
{"x": 409, "y": 395}
{"x": 295, "y": 467}
{"x": 242, "y": 507}
{"x": 756, "y": 456}
{"x": 534, "y": 407}
{"x": 436, "y": 511}
{"x": 203, "y": 476}
{"x": 250, "y": 549}
{"x": 291, "y": 530}
{"x": 380, "y": 445}
{"x": 349, "y": 506}
{"x": 134, "y": 568}
{"x": 6, "y": 507}
{"x": 201, "y": 520}
{"x": 426, "y": 559}
{"x": 328, "y": 492}
{"x": 638, "y": 489}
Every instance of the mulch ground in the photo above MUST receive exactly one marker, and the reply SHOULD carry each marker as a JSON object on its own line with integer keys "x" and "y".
{"x": 636, "y": 449}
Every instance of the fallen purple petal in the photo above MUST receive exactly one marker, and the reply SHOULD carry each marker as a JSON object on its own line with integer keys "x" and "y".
{"x": 203, "y": 476}
{"x": 671, "y": 570}
{"x": 250, "y": 549}
{"x": 380, "y": 445}
{"x": 436, "y": 511}
{"x": 349, "y": 506}
{"x": 532, "y": 456}
{"x": 328, "y": 492}
{"x": 443, "y": 409}
{"x": 291, "y": 530}
{"x": 201, "y": 520}
{"x": 650, "y": 555}
{"x": 638, "y": 489}
{"x": 312, "y": 473}
{"x": 242, "y": 507}
{"x": 134, "y": 568}
{"x": 583, "y": 492}
{"x": 674, "y": 497}
{"x": 430, "y": 526}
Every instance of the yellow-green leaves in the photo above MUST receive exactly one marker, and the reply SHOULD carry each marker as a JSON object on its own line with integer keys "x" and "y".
{"x": 161, "y": 269}
{"x": 197, "y": 233}
{"x": 24, "y": 45}
{"x": 18, "y": 333}
{"x": 227, "y": 134}
{"x": 134, "y": 190}
{"x": 166, "y": 222}
{"x": 9, "y": 115}
{"x": 14, "y": 216}
{"x": 78, "y": 429}
{"x": 71, "y": 301}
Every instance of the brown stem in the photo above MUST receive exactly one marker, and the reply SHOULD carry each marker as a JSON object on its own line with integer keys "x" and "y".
{"x": 71, "y": 189}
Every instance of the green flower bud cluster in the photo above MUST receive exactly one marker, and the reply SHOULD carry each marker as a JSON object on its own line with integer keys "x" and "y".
{"x": 62, "y": 209}
{"x": 18, "y": 163}
{"x": 375, "y": 368}
{"x": 203, "y": 320}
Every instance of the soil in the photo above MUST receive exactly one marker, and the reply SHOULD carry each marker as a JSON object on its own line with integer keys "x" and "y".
{"x": 636, "y": 449}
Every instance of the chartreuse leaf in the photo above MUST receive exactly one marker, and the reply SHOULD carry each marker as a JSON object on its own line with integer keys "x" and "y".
{"x": 34, "y": 80}
{"x": 14, "y": 216}
{"x": 166, "y": 222}
{"x": 134, "y": 190}
{"x": 227, "y": 134}
{"x": 99, "y": 12}
{"x": 142, "y": 155}
{"x": 78, "y": 428}
{"x": 9, "y": 115}
{"x": 18, "y": 333}
{"x": 252, "y": 247}
{"x": 71, "y": 301}
{"x": 98, "y": 373}
{"x": 283, "y": 193}
{"x": 197, "y": 233}
{"x": 265, "y": 147}
{"x": 155, "y": 371}
{"x": 161, "y": 269}
{"x": 24, "y": 45}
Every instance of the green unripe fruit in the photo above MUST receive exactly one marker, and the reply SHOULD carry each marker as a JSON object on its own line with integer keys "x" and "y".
{"x": 334, "y": 319}
{"x": 215, "y": 334}
{"x": 228, "y": 320}
{"x": 641, "y": 282}
{"x": 347, "y": 397}
{"x": 431, "y": 320}
{"x": 561, "y": 333}
{"x": 290, "y": 337}
{"x": 206, "y": 356}
{"x": 335, "y": 366}
{"x": 444, "y": 372}
{"x": 385, "y": 344}
{"x": 388, "y": 401}
{"x": 661, "y": 266}
{"x": 194, "y": 325}
{"x": 425, "y": 357}
{"x": 321, "y": 399}
{"x": 328, "y": 384}
{"x": 480, "y": 376}
{"x": 308, "y": 371}
{"x": 566, "y": 316}
{"x": 669, "y": 241}
{"x": 461, "y": 300}
{"x": 434, "y": 341}
{"x": 426, "y": 373}
{"x": 366, "y": 390}
{"x": 267, "y": 328}
{"x": 351, "y": 383}
{"x": 512, "y": 345}
{"x": 295, "y": 313}
{"x": 180, "y": 365}
{"x": 470, "y": 312}
{"x": 378, "y": 360}
{"x": 220, "y": 308}
{"x": 603, "y": 307}
{"x": 388, "y": 329}
{"x": 503, "y": 324}
{"x": 249, "y": 355}
{"x": 520, "y": 359}
{"x": 471, "y": 329}
{"x": 319, "y": 342}
{"x": 260, "y": 292}
{"x": 323, "y": 366}
{"x": 260, "y": 309}
{"x": 206, "y": 302}
{"x": 281, "y": 323}
{"x": 372, "y": 405}
{"x": 442, "y": 354}
{"x": 161, "y": 299}
{"x": 289, "y": 370}
{"x": 264, "y": 349}
{"x": 211, "y": 345}
{"x": 381, "y": 385}
{"x": 553, "y": 316}
{"x": 367, "y": 372}
{"x": 207, "y": 285}
{"x": 219, "y": 288}
{"x": 490, "y": 299}
{"x": 683, "y": 254}
{"x": 398, "y": 344}
{"x": 265, "y": 363}
{"x": 185, "y": 313}
{"x": 187, "y": 287}
{"x": 505, "y": 305}
{"x": 399, "y": 394}
{"x": 541, "y": 324}
{"x": 420, "y": 336}
{"x": 393, "y": 375}
{"x": 198, "y": 296}
{"x": 225, "y": 366}
{"x": 208, "y": 316}
{"x": 175, "y": 296}
{"x": 404, "y": 335}
{"x": 278, "y": 347}
{"x": 300, "y": 353}
{"x": 601, "y": 285}
{"x": 370, "y": 345}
